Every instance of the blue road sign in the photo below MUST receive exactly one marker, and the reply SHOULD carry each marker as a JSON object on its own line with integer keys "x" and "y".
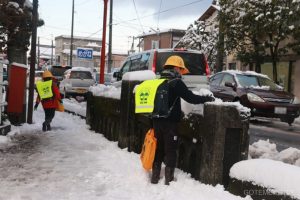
{"x": 85, "y": 53}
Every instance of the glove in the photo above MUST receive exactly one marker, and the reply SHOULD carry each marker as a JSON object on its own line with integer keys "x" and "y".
{"x": 35, "y": 106}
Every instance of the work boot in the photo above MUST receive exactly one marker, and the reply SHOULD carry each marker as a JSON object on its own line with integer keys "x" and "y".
{"x": 44, "y": 127}
{"x": 48, "y": 127}
{"x": 155, "y": 173}
{"x": 169, "y": 175}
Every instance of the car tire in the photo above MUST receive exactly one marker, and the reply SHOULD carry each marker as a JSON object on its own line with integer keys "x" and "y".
{"x": 288, "y": 120}
{"x": 65, "y": 94}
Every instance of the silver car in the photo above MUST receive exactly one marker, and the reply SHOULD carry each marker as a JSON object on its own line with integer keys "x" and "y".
{"x": 76, "y": 82}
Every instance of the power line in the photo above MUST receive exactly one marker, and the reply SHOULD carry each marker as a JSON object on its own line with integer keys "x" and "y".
{"x": 128, "y": 21}
{"x": 167, "y": 10}
{"x": 158, "y": 14}
{"x": 137, "y": 15}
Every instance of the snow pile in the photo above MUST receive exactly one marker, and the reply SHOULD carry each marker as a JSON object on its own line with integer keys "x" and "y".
{"x": 73, "y": 163}
{"x": 139, "y": 75}
{"x": 244, "y": 112}
{"x": 106, "y": 91}
{"x": 265, "y": 149}
{"x": 4, "y": 140}
{"x": 75, "y": 106}
{"x": 277, "y": 176}
{"x": 188, "y": 108}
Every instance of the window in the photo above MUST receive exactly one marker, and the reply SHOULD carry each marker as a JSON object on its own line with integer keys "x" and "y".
{"x": 232, "y": 66}
{"x": 80, "y": 75}
{"x": 227, "y": 78}
{"x": 215, "y": 80}
{"x": 247, "y": 81}
{"x": 154, "y": 44}
{"x": 125, "y": 67}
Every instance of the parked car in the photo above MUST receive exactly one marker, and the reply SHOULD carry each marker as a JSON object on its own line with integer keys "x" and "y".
{"x": 257, "y": 92}
{"x": 76, "y": 82}
{"x": 58, "y": 72}
{"x": 154, "y": 60}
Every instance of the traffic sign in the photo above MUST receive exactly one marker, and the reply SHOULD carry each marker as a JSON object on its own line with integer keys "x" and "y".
{"x": 85, "y": 53}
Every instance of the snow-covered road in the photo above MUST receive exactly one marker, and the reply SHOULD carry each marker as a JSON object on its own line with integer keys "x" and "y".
{"x": 71, "y": 162}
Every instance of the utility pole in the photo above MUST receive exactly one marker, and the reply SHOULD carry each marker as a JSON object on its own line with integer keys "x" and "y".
{"x": 32, "y": 61}
{"x": 51, "y": 62}
{"x": 72, "y": 28}
{"x": 110, "y": 37}
{"x": 38, "y": 58}
{"x": 102, "y": 63}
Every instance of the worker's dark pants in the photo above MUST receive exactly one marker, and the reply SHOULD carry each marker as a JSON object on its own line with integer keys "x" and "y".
{"x": 166, "y": 134}
{"x": 49, "y": 115}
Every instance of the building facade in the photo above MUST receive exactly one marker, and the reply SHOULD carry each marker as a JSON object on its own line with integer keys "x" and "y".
{"x": 160, "y": 39}
{"x": 62, "y": 51}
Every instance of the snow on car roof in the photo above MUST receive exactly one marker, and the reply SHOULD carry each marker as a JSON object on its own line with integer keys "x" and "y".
{"x": 251, "y": 73}
{"x": 81, "y": 69}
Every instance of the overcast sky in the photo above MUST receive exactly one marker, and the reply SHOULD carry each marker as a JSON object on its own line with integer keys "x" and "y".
{"x": 130, "y": 18}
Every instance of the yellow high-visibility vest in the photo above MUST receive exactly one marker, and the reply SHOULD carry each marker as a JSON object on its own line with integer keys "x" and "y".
{"x": 145, "y": 95}
{"x": 44, "y": 89}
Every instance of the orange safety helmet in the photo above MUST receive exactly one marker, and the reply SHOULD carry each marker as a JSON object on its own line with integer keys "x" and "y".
{"x": 176, "y": 61}
{"x": 47, "y": 74}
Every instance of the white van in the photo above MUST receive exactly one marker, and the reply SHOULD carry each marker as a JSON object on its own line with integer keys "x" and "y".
{"x": 154, "y": 60}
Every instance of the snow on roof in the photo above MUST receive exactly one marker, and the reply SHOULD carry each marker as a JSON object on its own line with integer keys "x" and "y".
{"x": 139, "y": 75}
{"x": 154, "y": 32}
{"x": 277, "y": 176}
{"x": 93, "y": 44}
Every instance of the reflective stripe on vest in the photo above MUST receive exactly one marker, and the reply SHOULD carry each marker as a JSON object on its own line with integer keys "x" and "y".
{"x": 145, "y": 95}
{"x": 44, "y": 89}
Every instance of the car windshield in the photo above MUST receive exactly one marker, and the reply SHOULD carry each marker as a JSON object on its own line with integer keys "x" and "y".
{"x": 81, "y": 75}
{"x": 193, "y": 61}
{"x": 256, "y": 81}
{"x": 58, "y": 70}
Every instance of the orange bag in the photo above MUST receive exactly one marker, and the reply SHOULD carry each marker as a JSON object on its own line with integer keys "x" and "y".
{"x": 148, "y": 150}
{"x": 60, "y": 107}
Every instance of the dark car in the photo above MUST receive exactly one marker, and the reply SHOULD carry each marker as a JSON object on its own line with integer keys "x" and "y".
{"x": 58, "y": 72}
{"x": 257, "y": 92}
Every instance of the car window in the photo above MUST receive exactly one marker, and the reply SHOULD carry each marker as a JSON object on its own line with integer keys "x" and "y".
{"x": 81, "y": 75}
{"x": 140, "y": 62}
{"x": 216, "y": 79}
{"x": 247, "y": 81}
{"x": 227, "y": 78}
{"x": 125, "y": 67}
{"x": 267, "y": 82}
{"x": 195, "y": 62}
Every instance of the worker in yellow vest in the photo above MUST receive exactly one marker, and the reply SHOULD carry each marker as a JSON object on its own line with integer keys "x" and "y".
{"x": 48, "y": 94}
{"x": 166, "y": 125}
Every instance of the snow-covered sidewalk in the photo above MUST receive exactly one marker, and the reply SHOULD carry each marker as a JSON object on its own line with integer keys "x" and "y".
{"x": 72, "y": 162}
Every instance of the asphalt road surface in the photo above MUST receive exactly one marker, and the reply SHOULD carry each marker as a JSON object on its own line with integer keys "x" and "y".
{"x": 283, "y": 135}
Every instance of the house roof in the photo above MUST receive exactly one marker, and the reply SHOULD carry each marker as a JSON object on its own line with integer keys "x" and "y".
{"x": 209, "y": 12}
{"x": 162, "y": 31}
{"x": 79, "y": 38}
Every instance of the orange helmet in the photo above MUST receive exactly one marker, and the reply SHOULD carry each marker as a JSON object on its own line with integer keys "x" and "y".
{"x": 47, "y": 74}
{"x": 177, "y": 61}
